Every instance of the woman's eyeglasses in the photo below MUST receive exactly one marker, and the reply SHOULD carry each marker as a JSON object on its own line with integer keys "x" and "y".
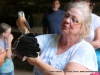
{"x": 73, "y": 20}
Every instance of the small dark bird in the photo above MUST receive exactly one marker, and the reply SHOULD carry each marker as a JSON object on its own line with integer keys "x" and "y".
{"x": 23, "y": 26}
{"x": 22, "y": 23}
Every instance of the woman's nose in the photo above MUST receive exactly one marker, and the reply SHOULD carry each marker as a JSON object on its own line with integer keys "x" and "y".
{"x": 68, "y": 19}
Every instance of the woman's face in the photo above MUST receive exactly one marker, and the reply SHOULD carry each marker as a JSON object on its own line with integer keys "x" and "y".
{"x": 72, "y": 21}
{"x": 5, "y": 34}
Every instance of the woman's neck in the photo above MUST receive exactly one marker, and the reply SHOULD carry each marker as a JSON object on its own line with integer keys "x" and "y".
{"x": 69, "y": 40}
{"x": 65, "y": 43}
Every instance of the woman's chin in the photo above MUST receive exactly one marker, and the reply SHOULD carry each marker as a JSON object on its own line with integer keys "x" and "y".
{"x": 65, "y": 31}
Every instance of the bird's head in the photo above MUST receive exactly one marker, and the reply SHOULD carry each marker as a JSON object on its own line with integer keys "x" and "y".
{"x": 21, "y": 14}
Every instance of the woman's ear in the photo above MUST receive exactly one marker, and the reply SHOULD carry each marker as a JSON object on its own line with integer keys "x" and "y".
{"x": 81, "y": 31}
{"x": 3, "y": 34}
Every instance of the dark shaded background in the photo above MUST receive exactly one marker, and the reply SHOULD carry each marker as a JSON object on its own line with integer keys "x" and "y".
{"x": 34, "y": 10}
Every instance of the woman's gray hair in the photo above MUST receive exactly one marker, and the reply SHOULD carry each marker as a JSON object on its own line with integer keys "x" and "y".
{"x": 86, "y": 19}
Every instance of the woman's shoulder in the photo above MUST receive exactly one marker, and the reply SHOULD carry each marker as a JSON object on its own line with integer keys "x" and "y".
{"x": 85, "y": 55}
{"x": 94, "y": 15}
{"x": 86, "y": 46}
{"x": 85, "y": 43}
{"x": 95, "y": 18}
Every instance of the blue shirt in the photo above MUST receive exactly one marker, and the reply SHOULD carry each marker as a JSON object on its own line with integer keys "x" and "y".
{"x": 8, "y": 63}
{"x": 53, "y": 21}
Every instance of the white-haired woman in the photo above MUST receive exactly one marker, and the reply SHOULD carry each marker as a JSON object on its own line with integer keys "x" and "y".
{"x": 67, "y": 53}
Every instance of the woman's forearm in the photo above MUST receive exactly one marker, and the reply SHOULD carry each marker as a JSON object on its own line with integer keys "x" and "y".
{"x": 49, "y": 70}
{"x": 9, "y": 52}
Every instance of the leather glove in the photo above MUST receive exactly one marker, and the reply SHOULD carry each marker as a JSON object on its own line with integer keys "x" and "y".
{"x": 28, "y": 46}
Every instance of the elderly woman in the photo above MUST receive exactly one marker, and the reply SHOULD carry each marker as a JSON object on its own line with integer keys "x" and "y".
{"x": 67, "y": 53}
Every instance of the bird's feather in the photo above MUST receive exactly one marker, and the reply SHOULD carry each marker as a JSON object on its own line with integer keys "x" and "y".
{"x": 27, "y": 24}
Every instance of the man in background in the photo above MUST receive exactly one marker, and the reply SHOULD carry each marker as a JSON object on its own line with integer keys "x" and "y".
{"x": 52, "y": 19}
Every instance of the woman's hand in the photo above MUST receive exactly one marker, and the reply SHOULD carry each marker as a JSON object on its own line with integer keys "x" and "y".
{"x": 9, "y": 51}
{"x": 10, "y": 38}
{"x": 34, "y": 61}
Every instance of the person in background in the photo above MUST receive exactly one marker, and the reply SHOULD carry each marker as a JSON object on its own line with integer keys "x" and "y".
{"x": 94, "y": 36}
{"x": 2, "y": 55}
{"x": 67, "y": 53}
{"x": 92, "y": 5}
{"x": 52, "y": 19}
{"x": 5, "y": 42}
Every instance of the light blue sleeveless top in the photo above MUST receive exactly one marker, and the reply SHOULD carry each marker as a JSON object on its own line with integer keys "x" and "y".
{"x": 8, "y": 63}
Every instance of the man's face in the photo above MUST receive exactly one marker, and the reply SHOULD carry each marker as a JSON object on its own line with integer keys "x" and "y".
{"x": 55, "y": 5}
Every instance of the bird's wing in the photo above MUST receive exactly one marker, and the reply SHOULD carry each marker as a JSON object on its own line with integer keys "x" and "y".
{"x": 27, "y": 24}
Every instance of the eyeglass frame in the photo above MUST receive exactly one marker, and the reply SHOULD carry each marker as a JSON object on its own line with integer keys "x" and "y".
{"x": 66, "y": 17}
